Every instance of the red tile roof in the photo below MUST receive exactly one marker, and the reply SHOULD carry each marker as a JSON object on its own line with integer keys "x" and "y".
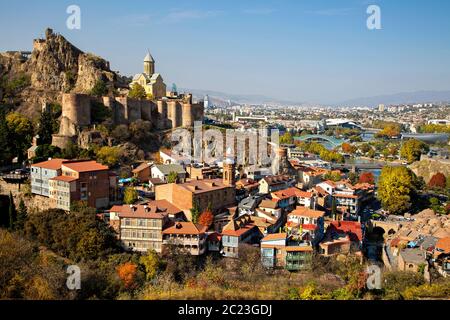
{"x": 156, "y": 209}
{"x": 85, "y": 166}
{"x": 275, "y": 236}
{"x": 53, "y": 164}
{"x": 291, "y": 192}
{"x": 307, "y": 212}
{"x": 443, "y": 244}
{"x": 352, "y": 228}
{"x": 64, "y": 178}
{"x": 185, "y": 228}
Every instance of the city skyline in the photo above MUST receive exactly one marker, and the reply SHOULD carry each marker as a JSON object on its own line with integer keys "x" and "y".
{"x": 305, "y": 52}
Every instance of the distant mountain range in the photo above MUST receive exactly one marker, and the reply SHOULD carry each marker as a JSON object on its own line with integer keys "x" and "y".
{"x": 399, "y": 98}
{"x": 222, "y": 98}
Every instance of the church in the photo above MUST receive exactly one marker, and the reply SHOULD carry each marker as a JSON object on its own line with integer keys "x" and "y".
{"x": 152, "y": 82}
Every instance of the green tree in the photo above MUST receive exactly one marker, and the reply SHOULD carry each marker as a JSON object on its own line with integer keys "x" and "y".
{"x": 412, "y": 149}
{"x": 195, "y": 212}
{"x": 130, "y": 195}
{"x": 6, "y": 152}
{"x": 99, "y": 89}
{"x": 396, "y": 189}
{"x": 137, "y": 92}
{"x": 47, "y": 126}
{"x": 21, "y": 128}
{"x": 12, "y": 212}
{"x": 22, "y": 214}
{"x": 353, "y": 177}
{"x": 172, "y": 177}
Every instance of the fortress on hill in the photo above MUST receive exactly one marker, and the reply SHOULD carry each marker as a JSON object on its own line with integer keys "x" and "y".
{"x": 164, "y": 111}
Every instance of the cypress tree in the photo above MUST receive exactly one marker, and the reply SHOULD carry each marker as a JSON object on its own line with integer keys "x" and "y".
{"x": 21, "y": 215}
{"x": 12, "y": 212}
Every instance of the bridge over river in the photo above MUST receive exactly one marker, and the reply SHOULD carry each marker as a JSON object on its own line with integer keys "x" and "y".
{"x": 375, "y": 165}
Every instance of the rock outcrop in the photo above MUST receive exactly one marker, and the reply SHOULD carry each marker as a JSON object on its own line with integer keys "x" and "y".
{"x": 54, "y": 66}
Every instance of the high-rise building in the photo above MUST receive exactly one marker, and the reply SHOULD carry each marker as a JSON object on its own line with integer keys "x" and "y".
{"x": 206, "y": 103}
{"x": 381, "y": 107}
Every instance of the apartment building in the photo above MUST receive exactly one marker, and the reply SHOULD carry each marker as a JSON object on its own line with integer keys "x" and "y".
{"x": 188, "y": 236}
{"x": 140, "y": 227}
{"x": 41, "y": 173}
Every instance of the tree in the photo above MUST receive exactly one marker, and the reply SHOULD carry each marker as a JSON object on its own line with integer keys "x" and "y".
{"x": 12, "y": 212}
{"x": 437, "y": 181}
{"x": 390, "y": 130}
{"x": 348, "y": 148}
{"x": 152, "y": 264}
{"x": 127, "y": 273}
{"x": 172, "y": 177}
{"x": 367, "y": 177}
{"x": 99, "y": 89}
{"x": 6, "y": 152}
{"x": 22, "y": 214}
{"x": 353, "y": 177}
{"x": 109, "y": 156}
{"x": 130, "y": 196}
{"x": 396, "y": 189}
{"x": 287, "y": 138}
{"x": 412, "y": 149}
{"x": 21, "y": 128}
{"x": 48, "y": 125}
{"x": 333, "y": 176}
{"x": 195, "y": 212}
{"x": 137, "y": 92}
{"x": 206, "y": 218}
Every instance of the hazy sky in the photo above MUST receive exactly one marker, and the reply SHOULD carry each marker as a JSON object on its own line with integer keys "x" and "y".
{"x": 314, "y": 50}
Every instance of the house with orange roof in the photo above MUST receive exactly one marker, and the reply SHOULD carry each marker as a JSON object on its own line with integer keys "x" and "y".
{"x": 307, "y": 224}
{"x": 342, "y": 237}
{"x": 87, "y": 181}
{"x": 441, "y": 256}
{"x": 280, "y": 250}
{"x": 188, "y": 236}
{"x": 346, "y": 195}
{"x": 274, "y": 183}
{"x": 140, "y": 227}
{"x": 41, "y": 173}
{"x": 240, "y": 230}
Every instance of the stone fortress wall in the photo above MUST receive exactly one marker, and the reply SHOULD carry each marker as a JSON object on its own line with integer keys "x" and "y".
{"x": 164, "y": 113}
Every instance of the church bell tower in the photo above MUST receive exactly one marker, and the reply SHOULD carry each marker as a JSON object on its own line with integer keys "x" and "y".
{"x": 149, "y": 64}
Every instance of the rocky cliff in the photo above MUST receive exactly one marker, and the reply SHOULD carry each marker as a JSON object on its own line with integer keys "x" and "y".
{"x": 53, "y": 67}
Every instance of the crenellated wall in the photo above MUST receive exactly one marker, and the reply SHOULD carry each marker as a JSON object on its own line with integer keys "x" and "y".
{"x": 164, "y": 113}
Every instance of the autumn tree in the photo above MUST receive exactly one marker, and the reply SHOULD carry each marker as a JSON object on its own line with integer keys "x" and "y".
{"x": 396, "y": 189}
{"x": 287, "y": 138}
{"x": 437, "y": 181}
{"x": 348, "y": 148}
{"x": 367, "y": 177}
{"x": 130, "y": 195}
{"x": 412, "y": 149}
{"x": 109, "y": 156}
{"x": 137, "y": 92}
{"x": 152, "y": 264}
{"x": 21, "y": 129}
{"x": 127, "y": 273}
{"x": 206, "y": 218}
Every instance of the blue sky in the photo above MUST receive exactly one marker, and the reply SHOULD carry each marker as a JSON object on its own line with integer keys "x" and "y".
{"x": 310, "y": 50}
